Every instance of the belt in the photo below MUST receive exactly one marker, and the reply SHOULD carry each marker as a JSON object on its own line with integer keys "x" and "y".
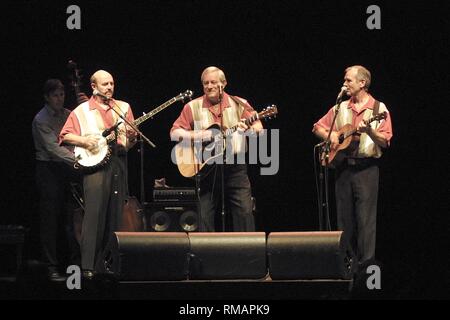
{"x": 361, "y": 161}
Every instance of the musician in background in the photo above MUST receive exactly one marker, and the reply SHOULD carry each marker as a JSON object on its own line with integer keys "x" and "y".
{"x": 106, "y": 188}
{"x": 54, "y": 175}
{"x": 215, "y": 107}
{"x": 356, "y": 182}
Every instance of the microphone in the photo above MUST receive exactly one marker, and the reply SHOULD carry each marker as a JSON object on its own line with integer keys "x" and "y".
{"x": 101, "y": 95}
{"x": 341, "y": 94}
{"x": 109, "y": 130}
{"x": 220, "y": 91}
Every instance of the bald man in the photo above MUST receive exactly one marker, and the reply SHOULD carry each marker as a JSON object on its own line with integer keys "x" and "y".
{"x": 104, "y": 188}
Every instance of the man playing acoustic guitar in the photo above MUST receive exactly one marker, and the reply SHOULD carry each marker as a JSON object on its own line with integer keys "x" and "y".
{"x": 356, "y": 181}
{"x": 218, "y": 107}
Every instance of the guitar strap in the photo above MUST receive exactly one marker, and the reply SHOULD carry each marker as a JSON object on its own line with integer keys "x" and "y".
{"x": 352, "y": 152}
{"x": 376, "y": 108}
{"x": 237, "y": 101}
{"x": 239, "y": 143}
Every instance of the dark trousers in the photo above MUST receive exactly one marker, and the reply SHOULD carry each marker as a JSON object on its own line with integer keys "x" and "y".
{"x": 56, "y": 208}
{"x": 104, "y": 196}
{"x": 238, "y": 199}
{"x": 356, "y": 189}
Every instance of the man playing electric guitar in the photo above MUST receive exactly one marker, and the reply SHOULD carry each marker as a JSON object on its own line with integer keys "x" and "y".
{"x": 218, "y": 107}
{"x": 356, "y": 182}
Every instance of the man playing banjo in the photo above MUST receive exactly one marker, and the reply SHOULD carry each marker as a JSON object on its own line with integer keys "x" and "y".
{"x": 98, "y": 130}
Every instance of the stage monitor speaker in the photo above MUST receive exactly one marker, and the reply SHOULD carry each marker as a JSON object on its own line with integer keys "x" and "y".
{"x": 308, "y": 255}
{"x": 172, "y": 216}
{"x": 227, "y": 255}
{"x": 148, "y": 256}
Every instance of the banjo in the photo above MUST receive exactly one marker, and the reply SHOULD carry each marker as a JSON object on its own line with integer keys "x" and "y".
{"x": 90, "y": 161}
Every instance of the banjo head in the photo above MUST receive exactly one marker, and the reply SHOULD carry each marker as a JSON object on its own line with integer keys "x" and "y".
{"x": 90, "y": 159}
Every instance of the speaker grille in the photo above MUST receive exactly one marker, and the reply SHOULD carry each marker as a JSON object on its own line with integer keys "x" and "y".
{"x": 160, "y": 221}
{"x": 172, "y": 217}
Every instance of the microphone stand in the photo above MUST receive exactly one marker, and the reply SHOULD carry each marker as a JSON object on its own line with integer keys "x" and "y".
{"x": 142, "y": 185}
{"x": 141, "y": 135}
{"x": 114, "y": 195}
{"x": 132, "y": 125}
{"x": 324, "y": 183}
{"x": 321, "y": 204}
{"x": 141, "y": 154}
{"x": 222, "y": 167}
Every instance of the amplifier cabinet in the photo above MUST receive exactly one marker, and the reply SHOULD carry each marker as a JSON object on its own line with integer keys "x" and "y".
{"x": 172, "y": 216}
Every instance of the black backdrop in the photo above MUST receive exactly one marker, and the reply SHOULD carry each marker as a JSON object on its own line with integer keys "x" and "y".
{"x": 289, "y": 53}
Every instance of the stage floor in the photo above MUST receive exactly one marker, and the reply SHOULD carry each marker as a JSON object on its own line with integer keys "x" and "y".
{"x": 31, "y": 287}
{"x": 31, "y": 283}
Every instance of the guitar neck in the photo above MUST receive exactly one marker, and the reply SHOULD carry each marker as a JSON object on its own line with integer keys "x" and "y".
{"x": 247, "y": 121}
{"x": 146, "y": 116}
{"x": 368, "y": 121}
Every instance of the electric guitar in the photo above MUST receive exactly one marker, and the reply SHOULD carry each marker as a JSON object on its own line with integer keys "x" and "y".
{"x": 192, "y": 160}
{"x": 346, "y": 136}
{"x": 90, "y": 161}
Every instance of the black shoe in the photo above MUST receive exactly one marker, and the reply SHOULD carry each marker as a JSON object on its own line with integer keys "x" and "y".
{"x": 88, "y": 274}
{"x": 55, "y": 276}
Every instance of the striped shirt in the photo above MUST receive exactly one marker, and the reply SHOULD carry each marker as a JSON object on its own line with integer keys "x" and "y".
{"x": 349, "y": 115}
{"x": 199, "y": 114}
{"x": 90, "y": 118}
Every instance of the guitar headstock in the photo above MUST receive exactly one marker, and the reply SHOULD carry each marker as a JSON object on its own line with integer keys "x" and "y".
{"x": 185, "y": 95}
{"x": 268, "y": 112}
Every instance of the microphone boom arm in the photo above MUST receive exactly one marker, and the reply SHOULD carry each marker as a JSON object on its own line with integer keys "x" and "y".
{"x": 130, "y": 124}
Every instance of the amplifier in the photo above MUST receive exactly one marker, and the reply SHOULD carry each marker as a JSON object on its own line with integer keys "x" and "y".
{"x": 172, "y": 216}
{"x": 174, "y": 194}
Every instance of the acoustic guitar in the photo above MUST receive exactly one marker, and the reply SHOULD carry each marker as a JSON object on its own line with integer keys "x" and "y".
{"x": 191, "y": 161}
{"x": 347, "y": 134}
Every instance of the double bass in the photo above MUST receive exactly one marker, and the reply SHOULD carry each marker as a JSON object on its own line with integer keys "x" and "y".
{"x": 132, "y": 216}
